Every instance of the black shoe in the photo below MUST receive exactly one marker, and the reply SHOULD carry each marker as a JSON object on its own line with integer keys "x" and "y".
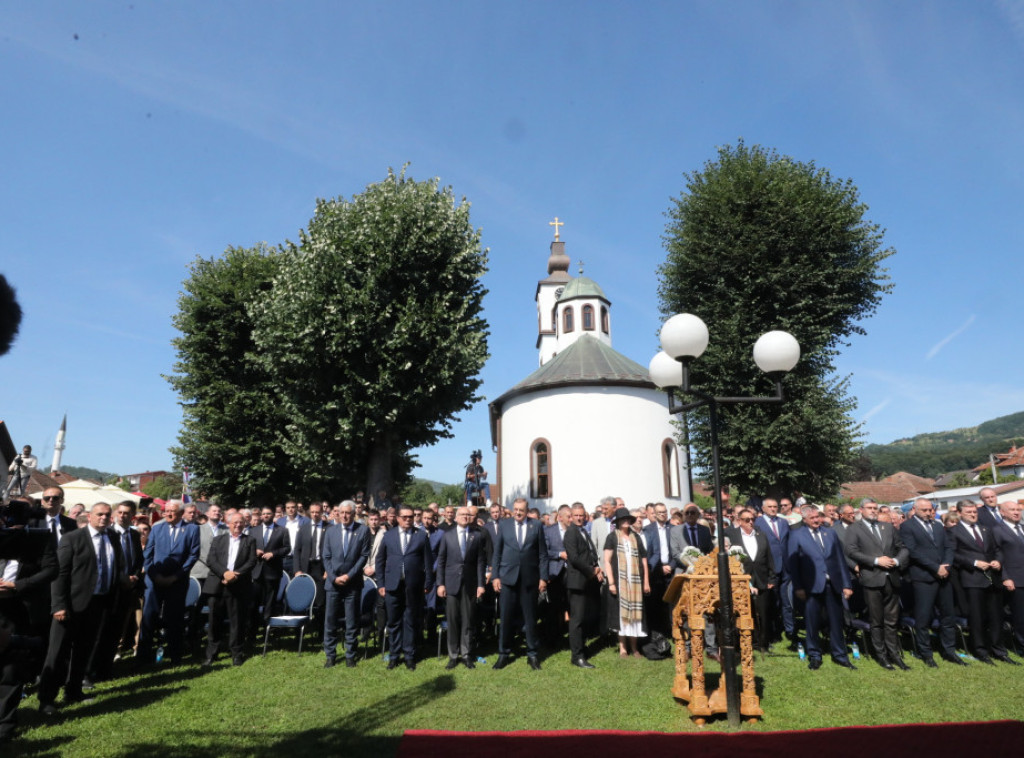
{"x": 88, "y": 684}
{"x": 814, "y": 664}
{"x": 885, "y": 664}
{"x": 930, "y": 662}
{"x": 583, "y": 663}
{"x": 393, "y": 664}
{"x": 49, "y": 709}
{"x": 900, "y": 664}
{"x": 1006, "y": 659}
{"x": 452, "y": 663}
{"x": 985, "y": 659}
{"x": 350, "y": 663}
{"x": 237, "y": 660}
{"x": 329, "y": 663}
{"x": 80, "y": 697}
{"x": 208, "y": 663}
{"x": 469, "y": 663}
{"x": 955, "y": 659}
{"x": 848, "y": 665}
{"x": 411, "y": 665}
{"x": 534, "y": 662}
{"x": 501, "y": 663}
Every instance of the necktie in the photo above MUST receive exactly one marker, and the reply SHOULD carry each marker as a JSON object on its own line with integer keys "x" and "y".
{"x": 878, "y": 532}
{"x": 462, "y": 542}
{"x": 775, "y": 528}
{"x": 317, "y": 532}
{"x": 519, "y": 534}
{"x": 344, "y": 541}
{"x": 53, "y": 528}
{"x": 977, "y": 537}
{"x": 126, "y": 547}
{"x": 928, "y": 529}
{"x": 1020, "y": 532}
{"x": 174, "y": 534}
{"x": 590, "y": 545}
{"x": 821, "y": 542}
{"x": 405, "y": 541}
{"x": 104, "y": 571}
{"x": 693, "y": 536}
{"x": 266, "y": 535}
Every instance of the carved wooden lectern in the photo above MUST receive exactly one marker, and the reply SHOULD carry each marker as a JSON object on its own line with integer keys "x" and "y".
{"x": 692, "y": 596}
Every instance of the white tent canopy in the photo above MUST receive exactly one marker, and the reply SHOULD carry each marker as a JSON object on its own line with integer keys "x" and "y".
{"x": 88, "y": 494}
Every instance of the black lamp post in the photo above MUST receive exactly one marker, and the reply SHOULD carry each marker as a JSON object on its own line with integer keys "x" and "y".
{"x": 684, "y": 337}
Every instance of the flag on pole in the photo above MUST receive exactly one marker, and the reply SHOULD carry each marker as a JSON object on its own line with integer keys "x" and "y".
{"x": 186, "y": 494}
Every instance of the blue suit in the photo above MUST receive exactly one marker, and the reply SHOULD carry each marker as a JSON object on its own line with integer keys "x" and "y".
{"x": 407, "y": 577}
{"x": 520, "y": 569}
{"x": 341, "y": 560}
{"x": 167, "y": 557}
{"x": 658, "y": 611}
{"x": 820, "y": 570}
{"x": 779, "y": 547}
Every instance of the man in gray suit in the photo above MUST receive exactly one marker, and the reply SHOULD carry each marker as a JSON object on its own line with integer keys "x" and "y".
{"x": 879, "y": 553}
{"x": 201, "y": 571}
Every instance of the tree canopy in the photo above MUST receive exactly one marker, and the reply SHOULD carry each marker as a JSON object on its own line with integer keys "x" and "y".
{"x": 756, "y": 242}
{"x": 347, "y": 349}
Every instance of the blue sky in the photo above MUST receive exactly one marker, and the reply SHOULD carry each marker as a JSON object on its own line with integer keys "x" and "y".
{"x": 136, "y": 136}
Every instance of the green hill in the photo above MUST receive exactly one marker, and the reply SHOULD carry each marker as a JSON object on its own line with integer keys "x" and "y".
{"x": 934, "y": 453}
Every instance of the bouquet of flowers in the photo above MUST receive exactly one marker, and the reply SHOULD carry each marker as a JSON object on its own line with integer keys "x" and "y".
{"x": 689, "y": 556}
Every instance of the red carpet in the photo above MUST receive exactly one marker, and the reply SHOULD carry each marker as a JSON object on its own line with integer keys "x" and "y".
{"x": 990, "y": 739}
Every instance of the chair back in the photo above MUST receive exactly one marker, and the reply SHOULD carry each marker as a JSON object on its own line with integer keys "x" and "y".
{"x": 300, "y": 594}
{"x": 194, "y": 591}
{"x": 368, "y": 599}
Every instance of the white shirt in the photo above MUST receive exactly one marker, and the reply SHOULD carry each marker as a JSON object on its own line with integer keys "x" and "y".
{"x": 233, "y": 544}
{"x": 749, "y": 543}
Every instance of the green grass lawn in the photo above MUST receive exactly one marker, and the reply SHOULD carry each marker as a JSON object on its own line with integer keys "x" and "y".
{"x": 288, "y": 705}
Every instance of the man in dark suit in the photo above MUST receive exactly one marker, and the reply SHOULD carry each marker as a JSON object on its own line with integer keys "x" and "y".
{"x": 520, "y": 573}
{"x": 776, "y": 529}
{"x": 91, "y": 571}
{"x": 761, "y": 568}
{"x": 405, "y": 573}
{"x": 582, "y": 582}
{"x": 988, "y": 512}
{"x": 1009, "y": 539}
{"x": 272, "y": 546}
{"x": 978, "y": 567}
{"x": 822, "y": 580}
{"x": 346, "y": 549}
{"x": 460, "y": 583}
{"x": 308, "y": 555}
{"x": 931, "y": 558}
{"x": 170, "y": 554}
{"x": 291, "y": 522}
{"x": 55, "y": 520}
{"x": 553, "y": 625}
{"x": 128, "y": 600}
{"x": 212, "y": 528}
{"x": 662, "y": 565}
{"x": 688, "y": 534}
{"x": 232, "y": 558}
{"x": 880, "y": 556}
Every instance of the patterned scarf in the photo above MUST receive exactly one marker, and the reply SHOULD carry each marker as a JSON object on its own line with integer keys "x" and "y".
{"x": 630, "y": 579}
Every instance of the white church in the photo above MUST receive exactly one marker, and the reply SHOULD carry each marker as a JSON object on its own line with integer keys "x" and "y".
{"x": 588, "y": 422}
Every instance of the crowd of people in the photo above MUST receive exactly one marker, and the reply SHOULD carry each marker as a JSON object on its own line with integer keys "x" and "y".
{"x": 83, "y": 592}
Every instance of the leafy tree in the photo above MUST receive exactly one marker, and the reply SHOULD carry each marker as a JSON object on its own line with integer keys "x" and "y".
{"x": 371, "y": 335}
{"x": 756, "y": 242}
{"x": 164, "y": 487}
{"x": 452, "y": 493}
{"x": 232, "y": 429}
{"x": 419, "y": 494}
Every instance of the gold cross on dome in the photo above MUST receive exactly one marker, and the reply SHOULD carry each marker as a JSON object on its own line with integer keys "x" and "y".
{"x": 556, "y": 223}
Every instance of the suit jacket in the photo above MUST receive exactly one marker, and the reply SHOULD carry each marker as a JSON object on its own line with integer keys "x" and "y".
{"x": 779, "y": 545}
{"x": 32, "y": 582}
{"x": 217, "y": 560}
{"x": 170, "y": 558}
{"x": 809, "y": 565}
{"x": 338, "y": 562}
{"x": 988, "y": 517}
{"x": 67, "y": 524}
{"x": 491, "y": 528}
{"x": 600, "y": 528}
{"x": 206, "y": 534}
{"x": 678, "y": 541}
{"x": 305, "y": 548}
{"x": 653, "y": 536}
{"x": 513, "y": 564}
{"x": 926, "y": 554}
{"x": 842, "y": 532}
{"x": 417, "y": 561}
{"x": 966, "y": 551}
{"x": 283, "y": 521}
{"x": 453, "y": 569}
{"x": 862, "y": 547}
{"x": 77, "y": 574}
{"x": 553, "y": 546}
{"x": 1010, "y": 551}
{"x": 280, "y": 544}
{"x": 762, "y": 568}
{"x": 582, "y": 558}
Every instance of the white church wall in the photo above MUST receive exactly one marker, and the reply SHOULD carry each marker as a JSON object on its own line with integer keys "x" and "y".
{"x": 604, "y": 441}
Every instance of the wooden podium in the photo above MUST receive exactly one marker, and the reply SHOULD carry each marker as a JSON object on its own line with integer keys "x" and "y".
{"x": 692, "y": 596}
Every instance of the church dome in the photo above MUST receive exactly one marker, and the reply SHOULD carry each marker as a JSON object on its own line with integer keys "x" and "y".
{"x": 581, "y": 286}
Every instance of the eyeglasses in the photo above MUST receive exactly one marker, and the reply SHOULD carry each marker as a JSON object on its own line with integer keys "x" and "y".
{"x": 748, "y": 519}
{"x": 409, "y": 515}
{"x": 47, "y": 498}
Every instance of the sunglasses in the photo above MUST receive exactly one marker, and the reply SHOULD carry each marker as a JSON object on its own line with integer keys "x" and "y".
{"x": 48, "y": 498}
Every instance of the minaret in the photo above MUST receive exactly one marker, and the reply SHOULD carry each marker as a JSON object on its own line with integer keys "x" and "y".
{"x": 548, "y": 291}
{"x": 58, "y": 446}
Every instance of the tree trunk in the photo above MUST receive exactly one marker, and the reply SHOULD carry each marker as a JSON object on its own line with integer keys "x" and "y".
{"x": 378, "y": 469}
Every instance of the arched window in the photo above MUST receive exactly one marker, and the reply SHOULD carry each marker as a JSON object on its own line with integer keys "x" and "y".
{"x": 605, "y": 326}
{"x": 670, "y": 467}
{"x": 540, "y": 469}
{"x": 567, "y": 319}
{"x": 588, "y": 318}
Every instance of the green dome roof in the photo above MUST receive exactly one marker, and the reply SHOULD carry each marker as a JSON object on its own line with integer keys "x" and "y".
{"x": 581, "y": 286}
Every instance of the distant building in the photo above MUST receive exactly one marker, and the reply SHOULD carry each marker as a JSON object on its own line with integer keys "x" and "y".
{"x": 138, "y": 481}
{"x": 898, "y": 488}
{"x": 1007, "y": 464}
